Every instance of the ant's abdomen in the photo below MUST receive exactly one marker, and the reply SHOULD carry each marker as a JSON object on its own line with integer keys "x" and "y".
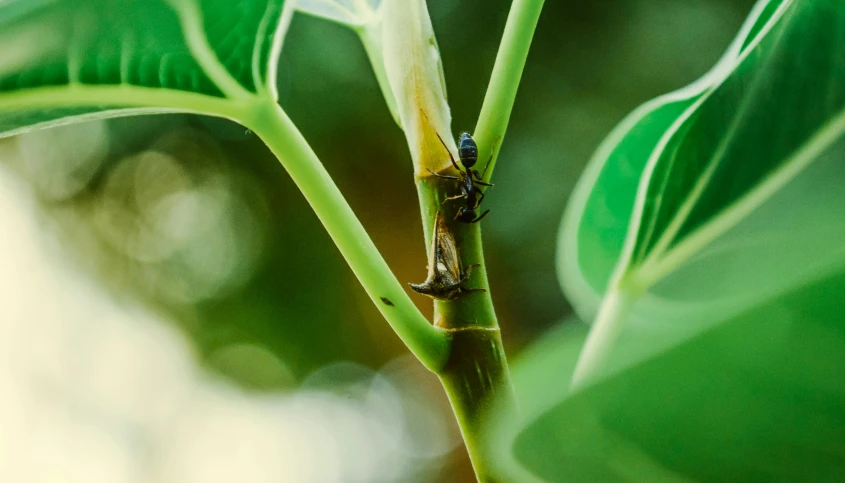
{"x": 468, "y": 150}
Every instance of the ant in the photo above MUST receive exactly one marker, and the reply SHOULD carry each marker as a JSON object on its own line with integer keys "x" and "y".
{"x": 468, "y": 178}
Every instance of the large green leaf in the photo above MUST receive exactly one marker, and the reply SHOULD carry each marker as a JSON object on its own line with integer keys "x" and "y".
{"x": 65, "y": 59}
{"x": 758, "y": 398}
{"x": 599, "y": 213}
{"x": 785, "y": 107}
{"x": 713, "y": 198}
{"x": 714, "y": 207}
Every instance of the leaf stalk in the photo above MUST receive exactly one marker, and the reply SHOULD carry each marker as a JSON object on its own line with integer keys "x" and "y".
{"x": 604, "y": 333}
{"x": 428, "y": 343}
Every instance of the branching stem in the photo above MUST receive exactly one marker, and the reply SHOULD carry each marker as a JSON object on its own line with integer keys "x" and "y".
{"x": 476, "y": 376}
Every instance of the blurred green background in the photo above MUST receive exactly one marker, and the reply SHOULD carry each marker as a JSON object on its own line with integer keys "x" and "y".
{"x": 195, "y": 218}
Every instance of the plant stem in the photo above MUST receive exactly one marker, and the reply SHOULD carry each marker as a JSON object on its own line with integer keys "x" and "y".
{"x": 476, "y": 377}
{"x": 428, "y": 343}
{"x": 504, "y": 82}
{"x": 477, "y": 307}
{"x": 603, "y": 335}
{"x": 477, "y": 380}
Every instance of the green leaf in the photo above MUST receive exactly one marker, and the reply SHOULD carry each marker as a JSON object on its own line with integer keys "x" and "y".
{"x": 708, "y": 158}
{"x": 709, "y": 200}
{"x": 101, "y": 58}
{"x": 598, "y": 215}
{"x": 700, "y": 211}
{"x": 758, "y": 398}
{"x": 780, "y": 110}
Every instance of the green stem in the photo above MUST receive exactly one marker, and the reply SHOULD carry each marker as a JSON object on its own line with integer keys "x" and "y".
{"x": 504, "y": 82}
{"x": 476, "y": 376}
{"x": 428, "y": 343}
{"x": 604, "y": 333}
{"x": 477, "y": 381}
{"x": 477, "y": 307}
{"x": 143, "y": 100}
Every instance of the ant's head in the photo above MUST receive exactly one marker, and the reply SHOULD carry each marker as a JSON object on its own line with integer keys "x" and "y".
{"x": 469, "y": 215}
{"x": 466, "y": 215}
{"x": 468, "y": 150}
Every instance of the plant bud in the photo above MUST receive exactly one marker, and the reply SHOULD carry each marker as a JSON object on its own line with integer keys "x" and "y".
{"x": 415, "y": 74}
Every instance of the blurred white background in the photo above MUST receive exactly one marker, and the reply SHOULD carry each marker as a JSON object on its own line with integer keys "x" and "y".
{"x": 99, "y": 390}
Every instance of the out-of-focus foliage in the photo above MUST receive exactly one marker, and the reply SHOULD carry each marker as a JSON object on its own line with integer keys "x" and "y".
{"x": 729, "y": 368}
{"x": 355, "y": 13}
{"x": 757, "y": 398}
{"x": 599, "y": 215}
{"x": 765, "y": 210}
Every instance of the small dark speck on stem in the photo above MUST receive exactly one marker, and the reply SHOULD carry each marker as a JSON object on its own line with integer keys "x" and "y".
{"x": 387, "y": 301}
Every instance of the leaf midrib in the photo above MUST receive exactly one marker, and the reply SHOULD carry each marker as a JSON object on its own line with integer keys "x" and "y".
{"x": 120, "y": 96}
{"x": 191, "y": 21}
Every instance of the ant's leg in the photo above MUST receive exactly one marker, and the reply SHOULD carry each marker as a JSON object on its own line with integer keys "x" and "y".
{"x": 485, "y": 168}
{"x": 451, "y": 158}
{"x": 480, "y": 217}
{"x": 492, "y": 151}
{"x": 442, "y": 175}
{"x": 463, "y": 214}
{"x": 479, "y": 177}
{"x": 479, "y": 199}
{"x": 468, "y": 271}
{"x": 456, "y": 197}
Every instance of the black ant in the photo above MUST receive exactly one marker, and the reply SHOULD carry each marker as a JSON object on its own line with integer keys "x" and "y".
{"x": 468, "y": 178}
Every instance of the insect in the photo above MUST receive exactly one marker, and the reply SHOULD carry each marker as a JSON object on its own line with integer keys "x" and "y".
{"x": 468, "y": 179}
{"x": 445, "y": 275}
